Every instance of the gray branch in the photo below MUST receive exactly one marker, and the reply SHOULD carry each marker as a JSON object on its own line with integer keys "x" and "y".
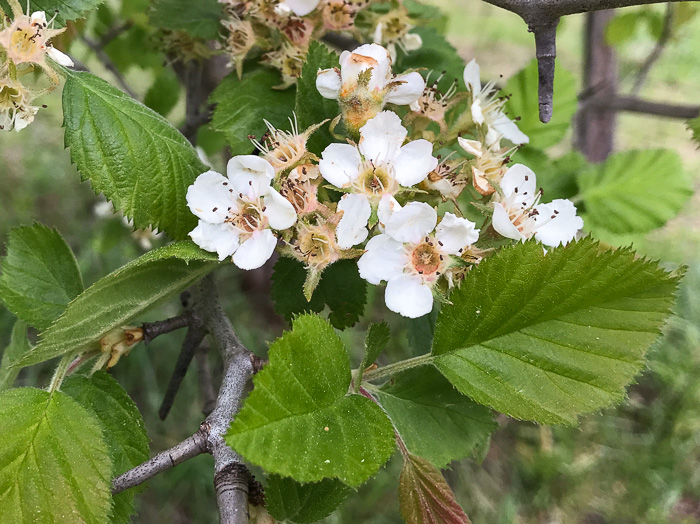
{"x": 666, "y": 33}
{"x": 647, "y": 107}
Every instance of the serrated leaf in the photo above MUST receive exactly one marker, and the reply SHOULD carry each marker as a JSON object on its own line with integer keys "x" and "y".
{"x": 54, "y": 464}
{"x": 375, "y": 341}
{"x": 200, "y": 19}
{"x": 242, "y": 105}
{"x": 634, "y": 191}
{"x": 299, "y": 421}
{"x": 341, "y": 289}
{"x": 130, "y": 153}
{"x": 311, "y": 108}
{"x": 287, "y": 500}
{"x": 548, "y": 337}
{"x": 524, "y": 103}
{"x": 434, "y": 420}
{"x": 18, "y": 346}
{"x": 425, "y": 497}
{"x": 122, "y": 427}
{"x": 120, "y": 296}
{"x": 40, "y": 275}
{"x": 67, "y": 9}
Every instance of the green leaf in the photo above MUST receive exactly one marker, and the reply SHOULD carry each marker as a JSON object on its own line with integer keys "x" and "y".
{"x": 524, "y": 103}
{"x": 200, "y": 19}
{"x": 130, "y": 153}
{"x": 376, "y": 340}
{"x": 694, "y": 126}
{"x": 39, "y": 275}
{"x": 434, "y": 420}
{"x": 635, "y": 191}
{"x": 18, "y": 346}
{"x": 311, "y": 107}
{"x": 425, "y": 497}
{"x": 287, "y": 500}
{"x": 436, "y": 53}
{"x": 120, "y": 296}
{"x": 341, "y": 289}
{"x": 67, "y": 9}
{"x": 548, "y": 337}
{"x": 242, "y": 105}
{"x": 54, "y": 464}
{"x": 299, "y": 420}
{"x": 624, "y": 27}
{"x": 122, "y": 428}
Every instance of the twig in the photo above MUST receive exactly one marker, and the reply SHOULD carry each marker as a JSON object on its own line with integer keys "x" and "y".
{"x": 114, "y": 32}
{"x": 342, "y": 42}
{"x": 655, "y": 54}
{"x": 185, "y": 450}
{"x": 152, "y": 330}
{"x": 194, "y": 336}
{"x": 207, "y": 393}
{"x": 108, "y": 64}
{"x": 638, "y": 105}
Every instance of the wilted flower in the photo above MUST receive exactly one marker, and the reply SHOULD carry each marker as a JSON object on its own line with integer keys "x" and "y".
{"x": 447, "y": 179}
{"x": 237, "y": 213}
{"x": 520, "y": 216}
{"x": 433, "y": 103}
{"x": 284, "y": 149}
{"x": 392, "y": 31}
{"x": 238, "y": 42}
{"x": 300, "y": 187}
{"x": 489, "y": 166}
{"x": 339, "y": 15}
{"x": 289, "y": 60}
{"x": 412, "y": 254}
{"x": 16, "y": 111}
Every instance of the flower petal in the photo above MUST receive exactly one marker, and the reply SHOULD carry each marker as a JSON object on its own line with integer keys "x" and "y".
{"x": 384, "y": 259}
{"x": 387, "y": 205}
{"x": 563, "y": 223}
{"x": 381, "y": 137}
{"x": 472, "y": 77}
{"x": 412, "y": 222}
{"x": 352, "y": 228}
{"x": 473, "y": 147}
{"x": 508, "y": 129}
{"x": 408, "y": 91}
{"x": 455, "y": 233}
{"x": 520, "y": 182}
{"x": 301, "y": 7}
{"x": 328, "y": 83}
{"x": 255, "y": 251}
{"x": 279, "y": 211}
{"x": 413, "y": 163}
{"x": 477, "y": 113}
{"x": 250, "y": 175}
{"x": 216, "y": 238}
{"x": 408, "y": 296}
{"x": 209, "y": 197}
{"x": 412, "y": 42}
{"x": 59, "y": 57}
{"x": 340, "y": 164}
{"x": 502, "y": 224}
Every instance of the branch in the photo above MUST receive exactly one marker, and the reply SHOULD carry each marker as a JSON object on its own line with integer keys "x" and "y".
{"x": 108, "y": 64}
{"x": 152, "y": 330}
{"x": 637, "y": 105}
{"x": 207, "y": 393}
{"x": 665, "y": 36}
{"x": 185, "y": 450}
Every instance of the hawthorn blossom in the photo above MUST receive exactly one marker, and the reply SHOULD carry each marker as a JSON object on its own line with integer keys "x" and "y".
{"x": 238, "y": 42}
{"x": 487, "y": 109}
{"x": 365, "y": 83}
{"x": 285, "y": 149}
{"x": 447, "y": 178}
{"x": 489, "y": 166}
{"x": 237, "y": 213}
{"x": 392, "y": 30}
{"x": 433, "y": 103}
{"x": 339, "y": 15}
{"x": 26, "y": 40}
{"x": 16, "y": 111}
{"x": 374, "y": 171}
{"x": 519, "y": 215}
{"x": 412, "y": 254}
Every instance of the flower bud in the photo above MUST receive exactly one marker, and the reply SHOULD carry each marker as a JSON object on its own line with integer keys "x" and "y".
{"x": 119, "y": 341}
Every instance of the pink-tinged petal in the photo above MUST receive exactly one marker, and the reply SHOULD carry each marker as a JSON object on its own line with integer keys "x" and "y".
{"x": 221, "y": 239}
{"x": 368, "y": 56}
{"x": 301, "y": 7}
{"x": 509, "y": 130}
{"x": 59, "y": 57}
{"x": 250, "y": 175}
{"x": 502, "y": 224}
{"x": 352, "y": 228}
{"x": 472, "y": 77}
{"x": 328, "y": 83}
{"x": 209, "y": 197}
{"x": 384, "y": 259}
{"x": 387, "y": 205}
{"x": 520, "y": 183}
{"x": 340, "y": 164}
{"x": 410, "y": 89}
{"x": 455, "y": 233}
{"x": 413, "y": 163}
{"x": 412, "y": 222}
{"x": 381, "y": 137}
{"x": 559, "y": 222}
{"x": 255, "y": 251}
{"x": 279, "y": 211}
{"x": 408, "y": 296}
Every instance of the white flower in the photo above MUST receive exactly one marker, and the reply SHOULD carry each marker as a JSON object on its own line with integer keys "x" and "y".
{"x": 373, "y": 172}
{"x": 487, "y": 108}
{"x": 412, "y": 254}
{"x": 300, "y": 7}
{"x": 520, "y": 216}
{"x": 236, "y": 213}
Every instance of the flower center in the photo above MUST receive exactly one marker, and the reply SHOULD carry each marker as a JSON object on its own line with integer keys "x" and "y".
{"x": 375, "y": 181}
{"x": 425, "y": 258}
{"x": 317, "y": 246}
{"x": 27, "y": 43}
{"x": 10, "y": 97}
{"x": 249, "y": 219}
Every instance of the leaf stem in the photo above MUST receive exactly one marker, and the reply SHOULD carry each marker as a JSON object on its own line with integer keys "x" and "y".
{"x": 61, "y": 372}
{"x": 397, "y": 367}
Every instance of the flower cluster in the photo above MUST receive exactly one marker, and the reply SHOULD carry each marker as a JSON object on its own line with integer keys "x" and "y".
{"x": 384, "y": 195}
{"x": 24, "y": 44}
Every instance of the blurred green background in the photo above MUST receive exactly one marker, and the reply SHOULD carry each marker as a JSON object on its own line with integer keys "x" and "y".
{"x": 638, "y": 463}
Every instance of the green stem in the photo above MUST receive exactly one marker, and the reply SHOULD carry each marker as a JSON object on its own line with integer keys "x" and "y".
{"x": 397, "y": 367}
{"x": 60, "y": 373}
